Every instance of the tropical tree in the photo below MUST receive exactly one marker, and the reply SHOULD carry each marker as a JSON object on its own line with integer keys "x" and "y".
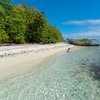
{"x": 20, "y": 24}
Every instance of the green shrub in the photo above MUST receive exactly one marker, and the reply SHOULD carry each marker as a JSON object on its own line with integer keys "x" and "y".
{"x": 3, "y": 36}
{"x": 19, "y": 39}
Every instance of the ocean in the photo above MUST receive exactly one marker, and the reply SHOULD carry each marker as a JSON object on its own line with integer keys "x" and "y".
{"x": 64, "y": 76}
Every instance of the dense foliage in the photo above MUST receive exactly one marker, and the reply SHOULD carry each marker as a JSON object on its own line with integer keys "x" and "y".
{"x": 22, "y": 24}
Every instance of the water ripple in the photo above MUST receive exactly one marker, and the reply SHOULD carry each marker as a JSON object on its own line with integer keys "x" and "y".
{"x": 60, "y": 78}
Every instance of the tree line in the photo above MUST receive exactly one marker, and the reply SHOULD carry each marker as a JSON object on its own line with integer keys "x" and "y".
{"x": 23, "y": 24}
{"x": 83, "y": 42}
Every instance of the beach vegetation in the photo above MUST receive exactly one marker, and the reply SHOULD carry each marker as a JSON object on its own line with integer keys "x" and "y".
{"x": 83, "y": 42}
{"x": 23, "y": 24}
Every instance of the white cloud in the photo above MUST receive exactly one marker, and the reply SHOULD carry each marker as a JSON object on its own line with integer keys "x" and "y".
{"x": 92, "y": 26}
{"x": 83, "y": 22}
{"x": 93, "y": 32}
{"x": 88, "y": 34}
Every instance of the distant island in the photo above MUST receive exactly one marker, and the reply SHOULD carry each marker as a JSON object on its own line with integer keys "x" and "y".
{"x": 83, "y": 42}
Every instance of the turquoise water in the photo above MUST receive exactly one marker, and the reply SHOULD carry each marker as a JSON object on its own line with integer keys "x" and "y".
{"x": 65, "y": 76}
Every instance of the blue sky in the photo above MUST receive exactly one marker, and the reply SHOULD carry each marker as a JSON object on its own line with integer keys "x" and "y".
{"x": 74, "y": 18}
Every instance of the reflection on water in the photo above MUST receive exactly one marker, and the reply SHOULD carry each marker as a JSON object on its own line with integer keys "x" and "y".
{"x": 66, "y": 76}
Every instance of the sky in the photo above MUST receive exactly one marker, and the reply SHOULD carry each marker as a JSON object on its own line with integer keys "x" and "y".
{"x": 74, "y": 18}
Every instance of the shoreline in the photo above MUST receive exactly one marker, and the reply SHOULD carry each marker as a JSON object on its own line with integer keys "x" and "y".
{"x": 13, "y": 64}
{"x": 26, "y": 48}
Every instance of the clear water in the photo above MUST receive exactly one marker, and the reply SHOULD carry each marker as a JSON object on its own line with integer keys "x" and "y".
{"x": 65, "y": 76}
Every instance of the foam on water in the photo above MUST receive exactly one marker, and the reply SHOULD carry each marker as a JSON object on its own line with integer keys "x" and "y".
{"x": 65, "y": 76}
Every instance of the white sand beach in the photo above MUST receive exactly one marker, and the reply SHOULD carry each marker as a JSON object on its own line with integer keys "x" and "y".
{"x": 18, "y": 58}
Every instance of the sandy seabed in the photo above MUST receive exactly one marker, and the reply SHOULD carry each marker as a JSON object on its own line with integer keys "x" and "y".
{"x": 57, "y": 75}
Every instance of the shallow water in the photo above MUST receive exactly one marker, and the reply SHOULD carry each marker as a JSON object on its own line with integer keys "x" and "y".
{"x": 65, "y": 76}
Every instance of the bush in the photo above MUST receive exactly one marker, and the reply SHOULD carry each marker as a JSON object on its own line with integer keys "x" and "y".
{"x": 3, "y": 36}
{"x": 19, "y": 39}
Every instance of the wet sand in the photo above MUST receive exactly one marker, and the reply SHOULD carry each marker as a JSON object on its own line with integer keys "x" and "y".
{"x": 21, "y": 62}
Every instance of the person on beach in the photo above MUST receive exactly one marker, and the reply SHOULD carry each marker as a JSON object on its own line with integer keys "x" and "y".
{"x": 68, "y": 49}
